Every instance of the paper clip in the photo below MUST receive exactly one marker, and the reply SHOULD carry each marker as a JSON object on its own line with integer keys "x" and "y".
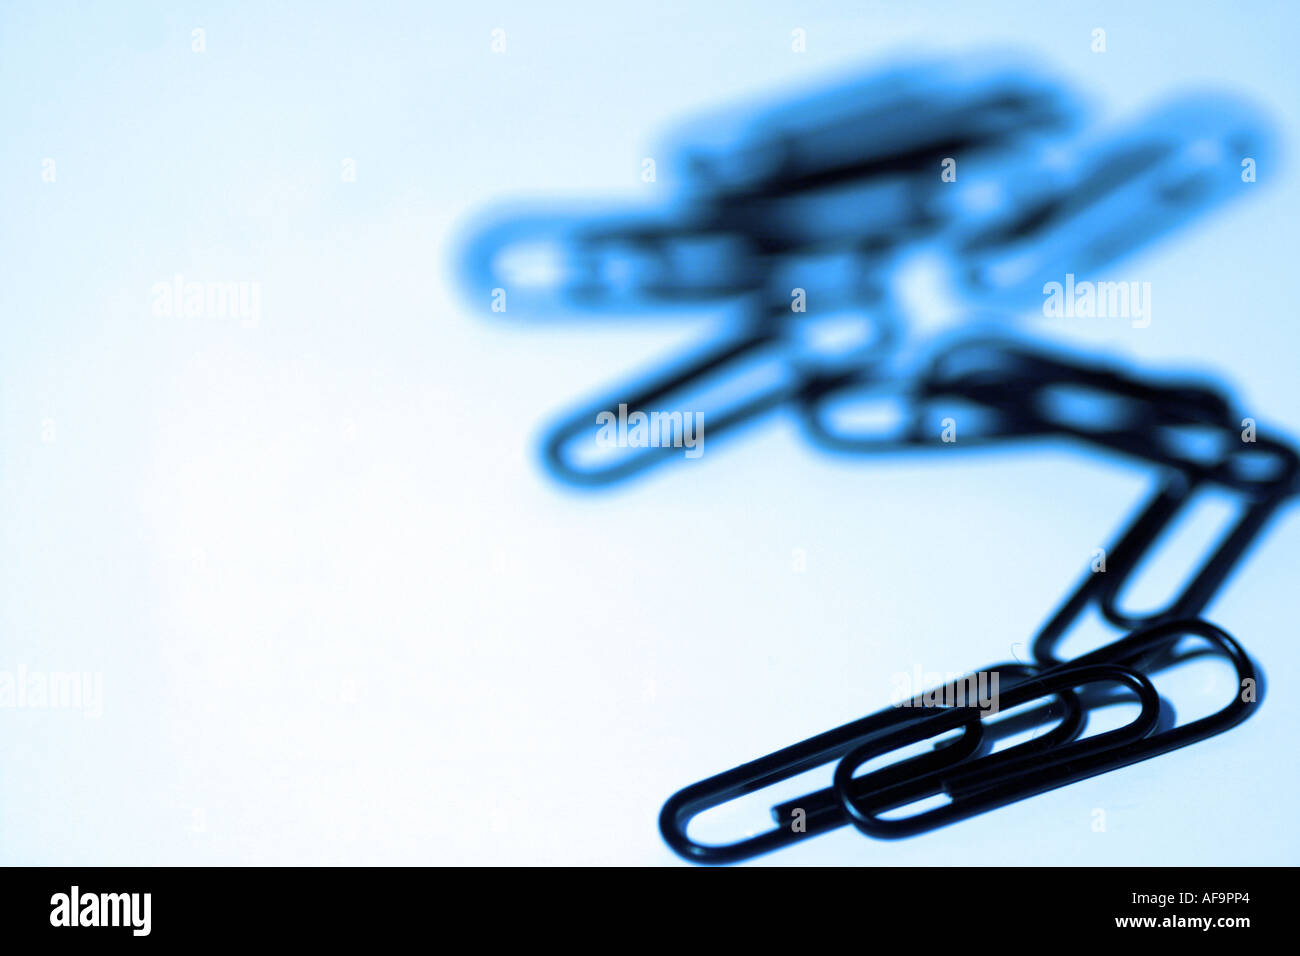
{"x": 1129, "y": 188}
{"x": 990, "y": 782}
{"x": 822, "y": 814}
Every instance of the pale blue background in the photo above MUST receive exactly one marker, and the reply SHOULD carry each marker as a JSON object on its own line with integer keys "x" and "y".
{"x": 342, "y": 614}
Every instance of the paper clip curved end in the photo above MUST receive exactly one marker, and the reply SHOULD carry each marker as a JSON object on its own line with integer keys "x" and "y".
{"x": 557, "y": 456}
{"x": 476, "y": 260}
{"x": 531, "y": 258}
{"x": 674, "y": 816}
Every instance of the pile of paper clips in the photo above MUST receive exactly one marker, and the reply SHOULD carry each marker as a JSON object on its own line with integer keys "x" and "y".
{"x": 823, "y": 195}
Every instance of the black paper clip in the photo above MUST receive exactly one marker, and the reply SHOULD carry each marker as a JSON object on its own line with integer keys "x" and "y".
{"x": 990, "y": 782}
{"x": 822, "y": 814}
